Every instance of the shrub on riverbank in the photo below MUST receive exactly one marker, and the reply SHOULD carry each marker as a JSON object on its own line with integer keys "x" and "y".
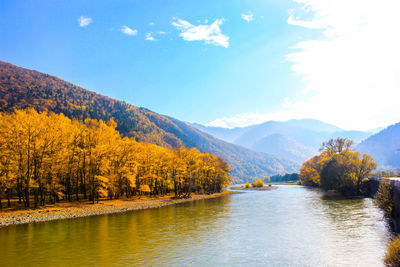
{"x": 384, "y": 196}
{"x": 258, "y": 183}
{"x": 392, "y": 256}
{"x": 247, "y": 185}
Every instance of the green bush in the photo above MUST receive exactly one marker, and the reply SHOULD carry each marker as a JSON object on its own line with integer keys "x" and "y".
{"x": 392, "y": 256}
{"x": 384, "y": 197}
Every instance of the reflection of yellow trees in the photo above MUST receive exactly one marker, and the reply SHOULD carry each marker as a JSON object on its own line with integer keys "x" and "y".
{"x": 337, "y": 167}
{"x": 48, "y": 157}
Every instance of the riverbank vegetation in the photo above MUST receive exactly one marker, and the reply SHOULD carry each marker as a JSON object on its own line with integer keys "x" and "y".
{"x": 290, "y": 178}
{"x": 338, "y": 168}
{"x": 286, "y": 183}
{"x": 384, "y": 197}
{"x": 392, "y": 255}
{"x": 258, "y": 183}
{"x": 46, "y": 158}
{"x": 263, "y": 188}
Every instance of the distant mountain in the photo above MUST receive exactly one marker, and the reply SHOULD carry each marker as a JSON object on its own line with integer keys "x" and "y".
{"x": 283, "y": 146}
{"x": 226, "y": 134}
{"x": 313, "y": 125}
{"x": 295, "y": 139}
{"x": 22, "y": 88}
{"x": 384, "y": 147}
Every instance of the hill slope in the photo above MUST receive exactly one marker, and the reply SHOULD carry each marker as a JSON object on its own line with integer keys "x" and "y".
{"x": 384, "y": 147}
{"x": 22, "y": 88}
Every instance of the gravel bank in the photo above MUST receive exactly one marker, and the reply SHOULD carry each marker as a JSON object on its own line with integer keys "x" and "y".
{"x": 77, "y": 210}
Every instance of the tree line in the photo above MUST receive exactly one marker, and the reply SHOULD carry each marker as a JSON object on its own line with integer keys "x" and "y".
{"x": 288, "y": 177}
{"x": 337, "y": 167}
{"x": 47, "y": 157}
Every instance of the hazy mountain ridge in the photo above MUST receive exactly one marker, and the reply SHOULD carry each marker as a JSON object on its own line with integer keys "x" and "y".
{"x": 283, "y": 146}
{"x": 273, "y": 137}
{"x": 22, "y": 88}
{"x": 384, "y": 147}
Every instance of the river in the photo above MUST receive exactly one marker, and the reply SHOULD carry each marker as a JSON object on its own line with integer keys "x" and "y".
{"x": 289, "y": 226}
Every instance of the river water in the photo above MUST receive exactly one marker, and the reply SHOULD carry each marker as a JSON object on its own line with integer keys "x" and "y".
{"x": 289, "y": 226}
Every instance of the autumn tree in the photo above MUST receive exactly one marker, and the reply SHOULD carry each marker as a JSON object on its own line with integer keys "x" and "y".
{"x": 310, "y": 170}
{"x": 337, "y": 168}
{"x": 258, "y": 183}
{"x": 334, "y": 146}
{"x": 49, "y": 157}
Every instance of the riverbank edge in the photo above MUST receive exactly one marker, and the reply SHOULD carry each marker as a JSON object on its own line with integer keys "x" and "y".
{"x": 86, "y": 210}
{"x": 264, "y": 188}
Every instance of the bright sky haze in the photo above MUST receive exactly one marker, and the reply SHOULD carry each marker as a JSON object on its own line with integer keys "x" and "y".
{"x": 221, "y": 63}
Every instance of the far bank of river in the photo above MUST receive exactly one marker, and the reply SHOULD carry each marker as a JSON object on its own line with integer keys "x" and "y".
{"x": 264, "y": 188}
{"x": 75, "y": 209}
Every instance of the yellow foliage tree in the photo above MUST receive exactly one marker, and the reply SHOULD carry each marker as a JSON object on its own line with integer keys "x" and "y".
{"x": 49, "y": 157}
{"x": 258, "y": 183}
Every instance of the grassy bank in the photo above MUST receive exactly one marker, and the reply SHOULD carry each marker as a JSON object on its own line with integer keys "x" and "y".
{"x": 82, "y": 209}
{"x": 286, "y": 183}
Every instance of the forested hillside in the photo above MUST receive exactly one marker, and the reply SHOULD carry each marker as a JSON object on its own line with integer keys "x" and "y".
{"x": 384, "y": 147}
{"x": 22, "y": 88}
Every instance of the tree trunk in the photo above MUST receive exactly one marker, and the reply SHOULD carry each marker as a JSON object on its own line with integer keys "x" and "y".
{"x": 27, "y": 197}
{"x": 9, "y": 197}
{"x": 42, "y": 197}
{"x": 36, "y": 198}
{"x": 19, "y": 192}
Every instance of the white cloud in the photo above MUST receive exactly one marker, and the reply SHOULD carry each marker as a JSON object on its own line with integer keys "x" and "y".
{"x": 249, "y": 16}
{"x": 149, "y": 37}
{"x": 352, "y": 74}
{"x": 128, "y": 31}
{"x": 151, "y": 23}
{"x": 314, "y": 24}
{"x": 84, "y": 21}
{"x": 210, "y": 34}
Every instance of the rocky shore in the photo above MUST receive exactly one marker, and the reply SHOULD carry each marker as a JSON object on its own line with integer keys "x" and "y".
{"x": 76, "y": 210}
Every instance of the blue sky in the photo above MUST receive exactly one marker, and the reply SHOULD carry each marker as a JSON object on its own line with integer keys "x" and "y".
{"x": 257, "y": 62}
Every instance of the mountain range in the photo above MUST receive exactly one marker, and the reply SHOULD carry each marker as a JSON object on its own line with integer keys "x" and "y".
{"x": 297, "y": 140}
{"x": 384, "y": 147}
{"x": 22, "y": 88}
{"x": 269, "y": 148}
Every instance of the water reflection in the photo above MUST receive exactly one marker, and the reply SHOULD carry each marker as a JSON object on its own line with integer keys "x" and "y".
{"x": 290, "y": 226}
